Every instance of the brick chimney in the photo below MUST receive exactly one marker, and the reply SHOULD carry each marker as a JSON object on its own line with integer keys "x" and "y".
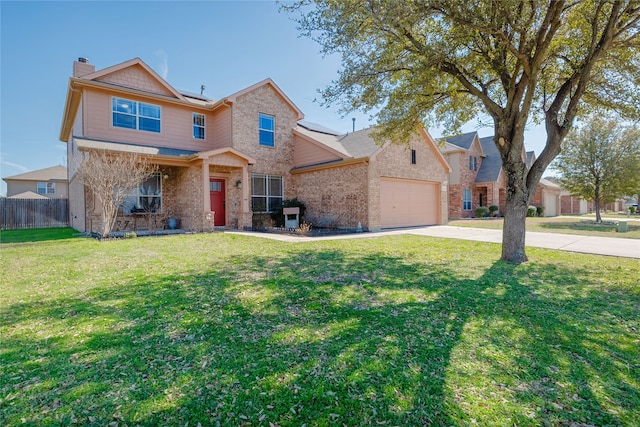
{"x": 81, "y": 67}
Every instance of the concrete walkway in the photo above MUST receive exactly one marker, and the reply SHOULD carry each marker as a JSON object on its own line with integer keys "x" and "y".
{"x": 629, "y": 248}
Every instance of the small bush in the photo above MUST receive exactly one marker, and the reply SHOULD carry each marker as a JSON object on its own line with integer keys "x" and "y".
{"x": 531, "y": 211}
{"x": 632, "y": 210}
{"x": 305, "y": 227}
{"x": 130, "y": 235}
{"x": 540, "y": 211}
{"x": 493, "y": 209}
{"x": 481, "y": 211}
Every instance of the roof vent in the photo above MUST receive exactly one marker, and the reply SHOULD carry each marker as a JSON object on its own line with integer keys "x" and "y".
{"x": 83, "y": 60}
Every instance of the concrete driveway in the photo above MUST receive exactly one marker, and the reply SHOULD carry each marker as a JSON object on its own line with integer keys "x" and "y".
{"x": 629, "y": 248}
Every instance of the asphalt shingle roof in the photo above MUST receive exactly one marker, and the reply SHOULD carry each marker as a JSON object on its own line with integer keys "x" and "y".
{"x": 356, "y": 144}
{"x": 56, "y": 173}
{"x": 491, "y": 163}
{"x": 463, "y": 141}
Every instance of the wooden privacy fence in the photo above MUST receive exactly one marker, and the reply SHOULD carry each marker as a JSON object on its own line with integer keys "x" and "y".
{"x": 33, "y": 213}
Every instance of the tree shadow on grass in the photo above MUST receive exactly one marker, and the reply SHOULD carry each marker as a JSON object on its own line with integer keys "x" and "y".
{"x": 327, "y": 337}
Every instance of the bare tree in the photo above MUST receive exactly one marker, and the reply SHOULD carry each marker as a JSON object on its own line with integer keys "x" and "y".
{"x": 112, "y": 177}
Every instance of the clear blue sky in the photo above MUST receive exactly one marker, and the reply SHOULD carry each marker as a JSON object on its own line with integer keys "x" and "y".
{"x": 226, "y": 46}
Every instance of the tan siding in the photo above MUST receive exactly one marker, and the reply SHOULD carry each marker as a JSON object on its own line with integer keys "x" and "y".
{"x": 176, "y": 129}
{"x": 21, "y": 186}
{"x": 77, "y": 212}
{"x": 138, "y": 78}
{"x": 307, "y": 153}
{"x": 454, "y": 162}
{"x": 78, "y": 129}
{"x": 218, "y": 127}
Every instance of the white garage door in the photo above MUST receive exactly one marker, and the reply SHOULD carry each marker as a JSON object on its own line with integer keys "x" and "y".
{"x": 550, "y": 204}
{"x": 405, "y": 203}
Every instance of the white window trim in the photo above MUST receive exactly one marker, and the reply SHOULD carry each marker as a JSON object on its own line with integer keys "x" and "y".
{"x": 137, "y": 116}
{"x": 204, "y": 126}
{"x": 47, "y": 186}
{"x": 470, "y": 200}
{"x": 267, "y": 179}
{"x": 267, "y": 130}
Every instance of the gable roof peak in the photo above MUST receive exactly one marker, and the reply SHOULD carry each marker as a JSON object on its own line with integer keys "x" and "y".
{"x": 268, "y": 81}
{"x": 134, "y": 62}
{"x": 464, "y": 140}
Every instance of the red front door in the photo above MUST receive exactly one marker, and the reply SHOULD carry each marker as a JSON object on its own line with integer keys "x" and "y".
{"x": 216, "y": 192}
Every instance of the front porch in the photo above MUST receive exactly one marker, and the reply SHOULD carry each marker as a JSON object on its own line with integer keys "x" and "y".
{"x": 490, "y": 194}
{"x": 201, "y": 190}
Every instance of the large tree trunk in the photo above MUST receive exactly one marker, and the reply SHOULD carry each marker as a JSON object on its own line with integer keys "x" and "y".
{"x": 518, "y": 192}
{"x": 515, "y": 227}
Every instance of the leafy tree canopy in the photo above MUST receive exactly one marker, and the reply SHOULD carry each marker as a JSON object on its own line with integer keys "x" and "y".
{"x": 427, "y": 62}
{"x": 600, "y": 161}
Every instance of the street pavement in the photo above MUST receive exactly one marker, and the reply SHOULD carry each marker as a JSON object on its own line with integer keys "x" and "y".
{"x": 620, "y": 247}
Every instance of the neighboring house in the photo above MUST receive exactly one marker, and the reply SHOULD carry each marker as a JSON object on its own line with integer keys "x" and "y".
{"x": 477, "y": 178}
{"x": 570, "y": 204}
{"x": 28, "y": 195}
{"x": 548, "y": 195}
{"x": 229, "y": 162}
{"x": 49, "y": 182}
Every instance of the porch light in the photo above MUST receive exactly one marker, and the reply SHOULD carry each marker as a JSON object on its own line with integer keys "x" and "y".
{"x": 238, "y": 184}
{"x": 165, "y": 176}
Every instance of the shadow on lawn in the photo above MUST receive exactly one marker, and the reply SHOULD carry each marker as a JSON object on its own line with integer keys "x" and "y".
{"x": 322, "y": 338}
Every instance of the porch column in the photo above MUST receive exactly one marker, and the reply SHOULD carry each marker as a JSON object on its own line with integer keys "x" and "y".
{"x": 206, "y": 216}
{"x": 244, "y": 217}
{"x": 245, "y": 189}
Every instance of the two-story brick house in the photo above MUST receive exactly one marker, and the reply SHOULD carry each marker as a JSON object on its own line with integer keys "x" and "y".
{"x": 227, "y": 161}
{"x": 476, "y": 178}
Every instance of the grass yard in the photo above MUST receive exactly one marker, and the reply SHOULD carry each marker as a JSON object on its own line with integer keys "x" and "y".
{"x": 563, "y": 225}
{"x": 37, "y": 235}
{"x": 223, "y": 329}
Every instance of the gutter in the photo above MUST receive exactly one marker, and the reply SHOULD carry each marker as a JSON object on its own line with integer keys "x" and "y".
{"x": 328, "y": 165}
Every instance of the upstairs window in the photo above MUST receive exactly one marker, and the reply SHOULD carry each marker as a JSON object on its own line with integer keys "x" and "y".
{"x": 267, "y": 192}
{"x": 198, "y": 126}
{"x": 266, "y": 127}
{"x": 135, "y": 115}
{"x": 46, "y": 188}
{"x": 473, "y": 163}
{"x": 413, "y": 157}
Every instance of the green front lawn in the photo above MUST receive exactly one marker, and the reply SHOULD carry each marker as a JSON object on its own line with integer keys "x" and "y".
{"x": 37, "y": 234}
{"x": 222, "y": 329}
